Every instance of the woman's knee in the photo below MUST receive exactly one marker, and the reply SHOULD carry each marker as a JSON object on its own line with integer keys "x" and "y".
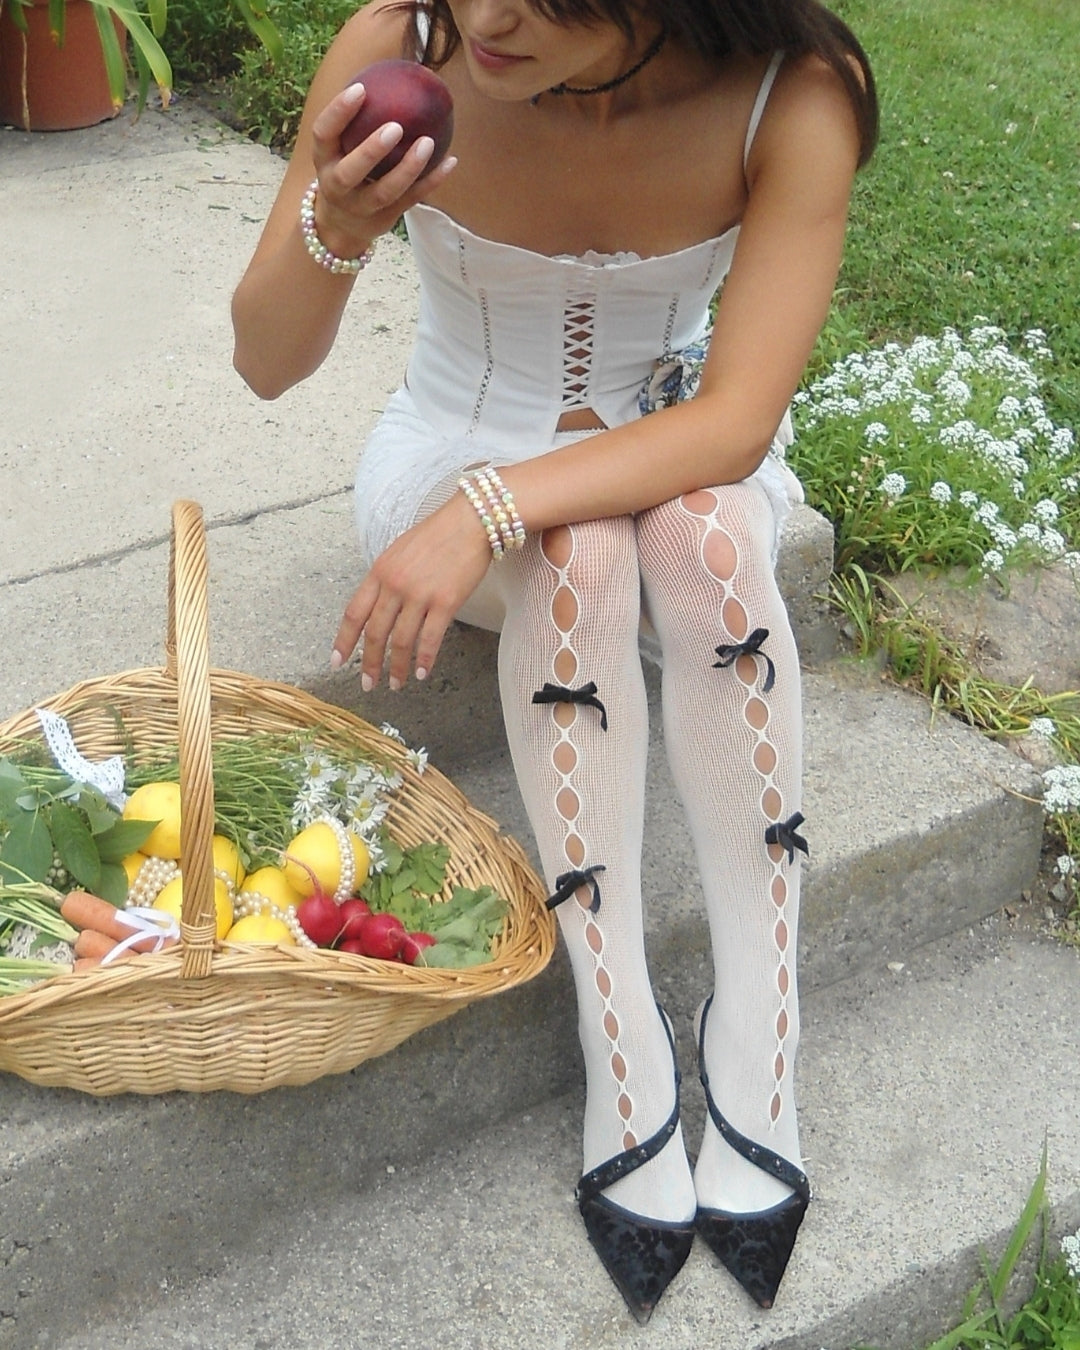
{"x": 728, "y": 529}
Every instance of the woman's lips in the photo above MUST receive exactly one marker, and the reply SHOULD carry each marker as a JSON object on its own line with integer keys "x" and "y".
{"x": 493, "y": 60}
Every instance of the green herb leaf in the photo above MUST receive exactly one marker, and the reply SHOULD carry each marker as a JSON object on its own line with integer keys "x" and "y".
{"x": 75, "y": 845}
{"x": 27, "y": 851}
{"x": 402, "y": 881}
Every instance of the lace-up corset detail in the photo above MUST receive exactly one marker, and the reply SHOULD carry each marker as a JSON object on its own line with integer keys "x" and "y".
{"x": 533, "y": 336}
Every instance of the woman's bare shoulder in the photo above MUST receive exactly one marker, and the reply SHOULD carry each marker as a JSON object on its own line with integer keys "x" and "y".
{"x": 809, "y": 117}
{"x": 377, "y": 31}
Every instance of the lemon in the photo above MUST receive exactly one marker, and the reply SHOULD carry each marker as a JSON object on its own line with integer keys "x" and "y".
{"x": 132, "y": 865}
{"x": 171, "y": 899}
{"x": 263, "y": 928}
{"x": 227, "y": 859}
{"x": 318, "y": 847}
{"x": 160, "y": 802}
{"x": 271, "y": 882}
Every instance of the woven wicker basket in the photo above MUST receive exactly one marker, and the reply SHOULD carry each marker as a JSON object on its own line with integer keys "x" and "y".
{"x": 203, "y": 1015}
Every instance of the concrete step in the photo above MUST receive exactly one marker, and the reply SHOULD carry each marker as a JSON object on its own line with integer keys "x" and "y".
{"x": 917, "y": 828}
{"x": 925, "y": 1095}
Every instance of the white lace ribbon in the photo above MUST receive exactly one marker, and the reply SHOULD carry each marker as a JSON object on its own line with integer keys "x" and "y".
{"x": 107, "y": 777}
{"x": 144, "y": 922}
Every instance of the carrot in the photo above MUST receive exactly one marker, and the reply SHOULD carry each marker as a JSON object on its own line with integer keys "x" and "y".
{"x": 86, "y": 911}
{"x": 83, "y": 910}
{"x": 92, "y": 943}
{"x": 83, "y": 963}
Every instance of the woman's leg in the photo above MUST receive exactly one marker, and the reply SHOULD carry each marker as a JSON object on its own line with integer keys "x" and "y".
{"x": 733, "y": 727}
{"x": 572, "y": 600}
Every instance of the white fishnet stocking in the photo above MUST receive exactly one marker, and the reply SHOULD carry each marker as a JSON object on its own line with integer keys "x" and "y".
{"x": 572, "y": 613}
{"x": 572, "y": 602}
{"x": 735, "y": 754}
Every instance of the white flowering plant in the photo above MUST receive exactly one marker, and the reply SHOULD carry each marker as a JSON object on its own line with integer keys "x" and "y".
{"x": 941, "y": 453}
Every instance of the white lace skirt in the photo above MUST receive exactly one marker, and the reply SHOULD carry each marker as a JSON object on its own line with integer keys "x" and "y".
{"x": 407, "y": 469}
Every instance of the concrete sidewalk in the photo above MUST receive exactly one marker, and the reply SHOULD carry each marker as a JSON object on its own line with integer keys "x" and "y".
{"x": 117, "y": 396}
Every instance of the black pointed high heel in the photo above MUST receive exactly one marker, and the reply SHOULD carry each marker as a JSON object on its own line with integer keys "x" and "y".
{"x": 755, "y": 1248}
{"x": 641, "y": 1255}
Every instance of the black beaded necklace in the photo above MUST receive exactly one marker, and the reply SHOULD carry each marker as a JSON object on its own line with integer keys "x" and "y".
{"x": 651, "y": 51}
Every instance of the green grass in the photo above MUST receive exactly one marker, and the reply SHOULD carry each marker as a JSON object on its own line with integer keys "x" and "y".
{"x": 957, "y": 216}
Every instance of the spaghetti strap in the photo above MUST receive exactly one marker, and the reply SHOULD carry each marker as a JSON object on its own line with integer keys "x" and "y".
{"x": 763, "y": 92}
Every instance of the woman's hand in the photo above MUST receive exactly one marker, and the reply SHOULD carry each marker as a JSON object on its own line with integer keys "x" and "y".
{"x": 351, "y": 212}
{"x": 411, "y": 594}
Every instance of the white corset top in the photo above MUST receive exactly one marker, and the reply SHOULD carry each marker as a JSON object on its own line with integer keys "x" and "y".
{"x": 508, "y": 339}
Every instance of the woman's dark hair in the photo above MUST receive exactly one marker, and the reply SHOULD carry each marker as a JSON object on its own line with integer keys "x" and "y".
{"x": 715, "y": 29}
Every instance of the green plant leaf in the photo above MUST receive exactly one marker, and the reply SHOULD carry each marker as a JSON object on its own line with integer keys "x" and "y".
{"x": 100, "y": 816}
{"x": 145, "y": 42}
{"x": 1020, "y": 1234}
{"x": 27, "y": 850}
{"x": 57, "y": 11}
{"x": 113, "y": 885}
{"x": 75, "y": 845}
{"x": 263, "y": 28}
{"x": 110, "y": 51}
{"x": 123, "y": 837}
{"x": 959, "y": 1334}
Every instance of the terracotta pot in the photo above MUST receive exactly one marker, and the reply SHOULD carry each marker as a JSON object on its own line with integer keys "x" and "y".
{"x": 65, "y": 87}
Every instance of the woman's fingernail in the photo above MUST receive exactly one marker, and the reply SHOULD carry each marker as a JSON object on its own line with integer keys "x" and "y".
{"x": 336, "y": 660}
{"x": 367, "y": 684}
{"x": 424, "y": 147}
{"x": 354, "y": 93}
{"x": 391, "y": 133}
{"x": 395, "y": 684}
{"x": 421, "y": 673}
{"x": 450, "y": 162}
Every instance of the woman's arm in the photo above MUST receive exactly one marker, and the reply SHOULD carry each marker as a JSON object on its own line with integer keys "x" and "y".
{"x": 286, "y": 310}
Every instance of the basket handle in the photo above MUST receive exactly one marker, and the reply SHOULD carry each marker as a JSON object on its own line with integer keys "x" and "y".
{"x": 187, "y": 657}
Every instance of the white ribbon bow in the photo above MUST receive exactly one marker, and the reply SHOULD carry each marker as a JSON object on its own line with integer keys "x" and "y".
{"x": 144, "y": 922}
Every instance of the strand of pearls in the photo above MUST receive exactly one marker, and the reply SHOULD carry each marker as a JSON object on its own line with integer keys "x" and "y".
{"x": 251, "y": 902}
{"x": 151, "y": 877}
{"x": 347, "y": 877}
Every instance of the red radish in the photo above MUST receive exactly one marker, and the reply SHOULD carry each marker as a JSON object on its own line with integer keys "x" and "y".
{"x": 413, "y": 945}
{"x": 320, "y": 914}
{"x": 382, "y": 936}
{"x": 353, "y": 945}
{"x": 320, "y": 918}
{"x": 353, "y": 913}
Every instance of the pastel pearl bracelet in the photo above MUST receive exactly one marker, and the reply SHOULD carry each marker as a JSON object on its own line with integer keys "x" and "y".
{"x": 494, "y": 504}
{"x": 317, "y": 250}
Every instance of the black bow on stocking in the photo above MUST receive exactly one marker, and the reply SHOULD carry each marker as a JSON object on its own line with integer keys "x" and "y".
{"x": 729, "y": 652}
{"x": 783, "y": 833}
{"x": 568, "y": 883}
{"x": 557, "y": 693}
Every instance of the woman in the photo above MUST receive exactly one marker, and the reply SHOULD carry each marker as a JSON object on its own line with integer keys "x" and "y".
{"x": 615, "y": 161}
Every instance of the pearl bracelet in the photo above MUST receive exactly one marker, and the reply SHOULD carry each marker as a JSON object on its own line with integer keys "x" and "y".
{"x": 501, "y": 502}
{"x": 480, "y": 506}
{"x": 317, "y": 249}
{"x": 494, "y": 504}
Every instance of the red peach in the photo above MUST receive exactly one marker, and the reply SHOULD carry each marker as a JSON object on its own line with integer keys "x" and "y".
{"x": 405, "y": 92}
